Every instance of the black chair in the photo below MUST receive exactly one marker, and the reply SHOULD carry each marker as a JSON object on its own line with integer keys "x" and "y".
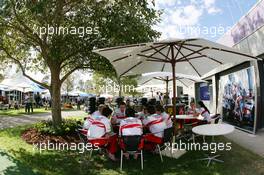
{"x": 131, "y": 145}
{"x": 215, "y": 118}
{"x": 167, "y": 138}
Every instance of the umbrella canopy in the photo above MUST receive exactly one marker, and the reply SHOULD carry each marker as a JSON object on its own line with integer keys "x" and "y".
{"x": 188, "y": 56}
{"x": 157, "y": 77}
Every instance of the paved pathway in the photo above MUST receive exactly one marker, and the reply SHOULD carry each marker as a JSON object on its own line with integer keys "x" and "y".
{"x": 9, "y": 122}
{"x": 254, "y": 143}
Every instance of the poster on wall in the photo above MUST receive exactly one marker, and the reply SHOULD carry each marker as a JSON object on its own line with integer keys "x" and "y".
{"x": 237, "y": 93}
{"x": 204, "y": 92}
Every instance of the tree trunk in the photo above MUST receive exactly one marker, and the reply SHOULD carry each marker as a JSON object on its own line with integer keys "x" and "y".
{"x": 55, "y": 91}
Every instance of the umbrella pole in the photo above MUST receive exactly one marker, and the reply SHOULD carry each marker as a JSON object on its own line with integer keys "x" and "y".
{"x": 167, "y": 90}
{"x": 174, "y": 90}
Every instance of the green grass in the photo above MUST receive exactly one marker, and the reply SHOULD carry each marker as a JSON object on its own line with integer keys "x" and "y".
{"x": 238, "y": 161}
{"x": 20, "y": 112}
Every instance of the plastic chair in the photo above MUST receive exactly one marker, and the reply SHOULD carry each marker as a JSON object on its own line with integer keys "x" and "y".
{"x": 131, "y": 145}
{"x": 100, "y": 142}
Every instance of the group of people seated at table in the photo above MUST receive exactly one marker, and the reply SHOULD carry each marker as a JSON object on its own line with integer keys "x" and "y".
{"x": 107, "y": 126}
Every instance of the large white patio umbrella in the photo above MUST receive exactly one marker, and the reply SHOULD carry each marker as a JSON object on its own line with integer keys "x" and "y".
{"x": 156, "y": 77}
{"x": 187, "y": 56}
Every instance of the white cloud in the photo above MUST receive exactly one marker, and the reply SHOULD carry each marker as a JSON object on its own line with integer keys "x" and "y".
{"x": 179, "y": 14}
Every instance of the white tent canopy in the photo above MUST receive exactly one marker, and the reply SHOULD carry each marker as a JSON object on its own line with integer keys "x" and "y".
{"x": 21, "y": 83}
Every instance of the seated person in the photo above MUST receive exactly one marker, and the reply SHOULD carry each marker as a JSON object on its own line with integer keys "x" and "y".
{"x": 192, "y": 109}
{"x": 130, "y": 126}
{"x": 143, "y": 114}
{"x": 99, "y": 111}
{"x": 204, "y": 112}
{"x": 154, "y": 122}
{"x": 100, "y": 127}
{"x": 166, "y": 118}
{"x": 119, "y": 113}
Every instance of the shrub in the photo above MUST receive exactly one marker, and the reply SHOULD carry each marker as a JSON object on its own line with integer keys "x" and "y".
{"x": 67, "y": 127}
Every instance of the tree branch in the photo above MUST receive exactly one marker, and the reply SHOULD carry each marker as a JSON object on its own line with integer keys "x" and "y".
{"x": 71, "y": 71}
{"x": 23, "y": 70}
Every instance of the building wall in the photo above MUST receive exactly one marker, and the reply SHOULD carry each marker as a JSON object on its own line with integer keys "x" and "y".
{"x": 248, "y": 34}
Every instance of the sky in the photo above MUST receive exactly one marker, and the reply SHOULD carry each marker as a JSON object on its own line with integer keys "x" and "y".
{"x": 208, "y": 19}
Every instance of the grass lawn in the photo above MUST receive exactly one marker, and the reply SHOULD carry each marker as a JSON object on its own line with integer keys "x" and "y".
{"x": 15, "y": 113}
{"x": 238, "y": 161}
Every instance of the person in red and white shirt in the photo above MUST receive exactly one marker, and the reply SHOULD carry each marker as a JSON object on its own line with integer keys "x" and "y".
{"x": 119, "y": 113}
{"x": 99, "y": 111}
{"x": 99, "y": 131}
{"x": 154, "y": 122}
{"x": 166, "y": 118}
{"x": 131, "y": 126}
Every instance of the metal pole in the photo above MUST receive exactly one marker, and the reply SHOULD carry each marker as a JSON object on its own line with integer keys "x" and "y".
{"x": 167, "y": 90}
{"x": 173, "y": 64}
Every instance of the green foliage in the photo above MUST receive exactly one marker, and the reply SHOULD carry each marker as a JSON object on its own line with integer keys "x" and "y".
{"x": 67, "y": 126}
{"x": 51, "y": 36}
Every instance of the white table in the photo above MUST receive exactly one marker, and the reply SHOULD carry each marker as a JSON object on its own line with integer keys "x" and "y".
{"x": 213, "y": 130}
{"x": 186, "y": 117}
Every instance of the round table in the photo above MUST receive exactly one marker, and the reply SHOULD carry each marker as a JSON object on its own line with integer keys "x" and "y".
{"x": 185, "y": 117}
{"x": 213, "y": 130}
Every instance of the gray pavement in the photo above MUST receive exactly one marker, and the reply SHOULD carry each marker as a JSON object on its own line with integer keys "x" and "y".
{"x": 254, "y": 143}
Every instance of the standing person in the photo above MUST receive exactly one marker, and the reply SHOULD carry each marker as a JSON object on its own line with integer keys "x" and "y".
{"x": 119, "y": 113}
{"x": 154, "y": 122}
{"x": 157, "y": 97}
{"x": 100, "y": 127}
{"x": 26, "y": 101}
{"x": 37, "y": 100}
{"x": 31, "y": 101}
{"x": 131, "y": 126}
{"x": 78, "y": 103}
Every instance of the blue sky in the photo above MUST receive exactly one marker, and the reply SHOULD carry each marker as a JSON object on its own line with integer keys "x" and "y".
{"x": 200, "y": 18}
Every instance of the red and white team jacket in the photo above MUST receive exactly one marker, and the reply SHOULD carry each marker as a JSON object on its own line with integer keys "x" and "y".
{"x": 97, "y": 126}
{"x": 130, "y": 126}
{"x": 118, "y": 116}
{"x": 155, "y": 124}
{"x": 166, "y": 118}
